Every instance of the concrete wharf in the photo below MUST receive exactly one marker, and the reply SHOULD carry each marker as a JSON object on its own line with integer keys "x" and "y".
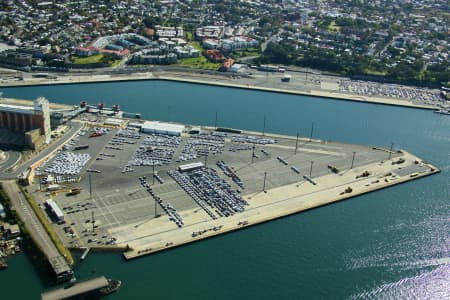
{"x": 84, "y": 288}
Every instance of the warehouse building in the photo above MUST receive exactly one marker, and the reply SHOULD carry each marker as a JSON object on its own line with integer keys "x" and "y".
{"x": 162, "y": 128}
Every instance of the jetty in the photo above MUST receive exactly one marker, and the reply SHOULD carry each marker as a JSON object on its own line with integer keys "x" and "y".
{"x": 90, "y": 289}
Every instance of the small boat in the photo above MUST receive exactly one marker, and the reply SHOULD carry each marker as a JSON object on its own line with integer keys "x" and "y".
{"x": 443, "y": 111}
{"x": 113, "y": 285}
{"x": 3, "y": 265}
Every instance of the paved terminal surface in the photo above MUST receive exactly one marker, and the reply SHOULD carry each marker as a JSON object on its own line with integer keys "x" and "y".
{"x": 125, "y": 206}
{"x": 77, "y": 290}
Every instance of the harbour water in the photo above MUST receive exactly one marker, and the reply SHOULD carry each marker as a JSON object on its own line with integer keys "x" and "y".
{"x": 393, "y": 243}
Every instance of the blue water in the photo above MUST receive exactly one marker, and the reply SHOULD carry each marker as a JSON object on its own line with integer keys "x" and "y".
{"x": 393, "y": 243}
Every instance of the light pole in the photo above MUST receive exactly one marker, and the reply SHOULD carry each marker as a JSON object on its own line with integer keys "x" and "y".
{"x": 90, "y": 186}
{"x": 264, "y": 183}
{"x": 390, "y": 150}
{"x": 153, "y": 175}
{"x": 253, "y": 152}
{"x": 310, "y": 169}
{"x": 353, "y": 159}
{"x": 93, "y": 221}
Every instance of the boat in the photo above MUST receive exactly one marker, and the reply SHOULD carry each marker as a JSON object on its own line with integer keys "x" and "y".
{"x": 443, "y": 111}
{"x": 3, "y": 265}
{"x": 113, "y": 286}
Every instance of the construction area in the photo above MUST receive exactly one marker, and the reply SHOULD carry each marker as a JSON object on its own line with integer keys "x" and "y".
{"x": 148, "y": 186}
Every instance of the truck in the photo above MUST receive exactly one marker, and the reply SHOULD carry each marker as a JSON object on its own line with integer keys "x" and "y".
{"x": 73, "y": 192}
{"x": 81, "y": 147}
{"x": 286, "y": 78}
{"x": 53, "y": 187}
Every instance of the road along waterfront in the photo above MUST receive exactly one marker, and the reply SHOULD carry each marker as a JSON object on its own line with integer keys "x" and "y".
{"x": 325, "y": 86}
{"x": 383, "y": 245}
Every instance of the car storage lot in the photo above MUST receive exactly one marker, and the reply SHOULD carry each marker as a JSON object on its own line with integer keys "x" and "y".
{"x": 118, "y": 198}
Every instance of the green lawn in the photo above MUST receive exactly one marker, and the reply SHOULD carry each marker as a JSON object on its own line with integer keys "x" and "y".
{"x": 196, "y": 45}
{"x": 198, "y": 63}
{"x": 87, "y": 60}
{"x": 115, "y": 63}
{"x": 333, "y": 27}
{"x": 375, "y": 72}
{"x": 95, "y": 59}
{"x": 189, "y": 36}
{"x": 247, "y": 52}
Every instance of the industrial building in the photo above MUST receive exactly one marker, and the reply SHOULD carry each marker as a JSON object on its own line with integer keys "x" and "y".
{"x": 114, "y": 122}
{"x": 32, "y": 121}
{"x": 162, "y": 128}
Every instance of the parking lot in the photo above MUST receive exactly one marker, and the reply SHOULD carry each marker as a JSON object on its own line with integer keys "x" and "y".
{"x": 118, "y": 189}
{"x": 367, "y": 88}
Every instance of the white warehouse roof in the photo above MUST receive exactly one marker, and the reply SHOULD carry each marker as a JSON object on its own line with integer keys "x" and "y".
{"x": 191, "y": 166}
{"x": 113, "y": 122}
{"x": 29, "y": 110}
{"x": 162, "y": 128}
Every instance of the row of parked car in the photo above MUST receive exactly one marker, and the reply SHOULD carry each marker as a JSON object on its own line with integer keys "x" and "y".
{"x": 239, "y": 138}
{"x": 155, "y": 150}
{"x": 183, "y": 180}
{"x": 168, "y": 208}
{"x": 68, "y": 163}
{"x": 201, "y": 145}
{"x": 209, "y": 190}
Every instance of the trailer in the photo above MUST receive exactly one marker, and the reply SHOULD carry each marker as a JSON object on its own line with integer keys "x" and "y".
{"x": 81, "y": 147}
{"x": 56, "y": 212}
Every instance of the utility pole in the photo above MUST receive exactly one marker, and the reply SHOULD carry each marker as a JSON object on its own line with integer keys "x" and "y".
{"x": 264, "y": 183}
{"x": 353, "y": 159}
{"x": 156, "y": 207}
{"x": 253, "y": 152}
{"x": 264, "y": 126}
{"x": 153, "y": 175}
{"x": 93, "y": 221}
{"x": 206, "y": 160}
{"x": 312, "y": 131}
{"x": 390, "y": 150}
{"x": 296, "y": 144}
{"x": 90, "y": 186}
{"x": 310, "y": 169}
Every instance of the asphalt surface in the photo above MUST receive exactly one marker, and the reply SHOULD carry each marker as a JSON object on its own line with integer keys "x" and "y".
{"x": 12, "y": 157}
{"x": 118, "y": 198}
